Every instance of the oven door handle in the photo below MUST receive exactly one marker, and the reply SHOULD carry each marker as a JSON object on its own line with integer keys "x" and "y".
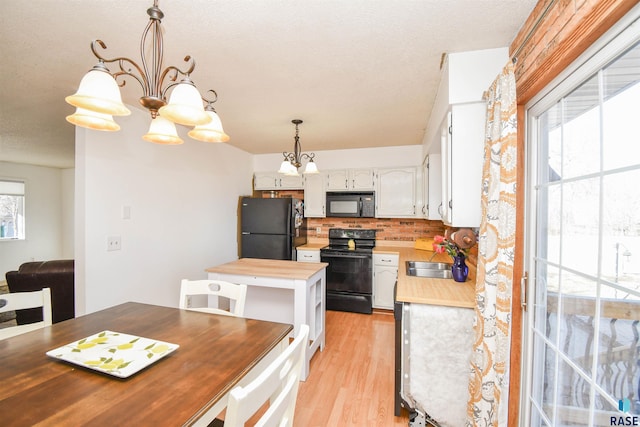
{"x": 361, "y": 256}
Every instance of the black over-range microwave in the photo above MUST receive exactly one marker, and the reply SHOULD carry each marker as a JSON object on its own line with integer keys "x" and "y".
{"x": 351, "y": 204}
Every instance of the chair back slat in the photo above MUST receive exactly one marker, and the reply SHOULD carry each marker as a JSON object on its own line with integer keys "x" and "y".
{"x": 236, "y": 293}
{"x": 24, "y": 300}
{"x": 277, "y": 384}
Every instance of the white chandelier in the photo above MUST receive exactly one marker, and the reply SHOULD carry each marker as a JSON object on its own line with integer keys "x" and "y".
{"x": 292, "y": 161}
{"x": 98, "y": 98}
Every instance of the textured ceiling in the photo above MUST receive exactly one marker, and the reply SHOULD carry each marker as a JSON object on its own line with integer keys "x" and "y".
{"x": 360, "y": 73}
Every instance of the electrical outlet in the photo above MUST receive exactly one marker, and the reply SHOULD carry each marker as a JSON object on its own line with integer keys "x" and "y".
{"x": 318, "y": 230}
{"x": 114, "y": 243}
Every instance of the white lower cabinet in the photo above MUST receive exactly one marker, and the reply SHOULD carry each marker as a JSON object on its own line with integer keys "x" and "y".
{"x": 385, "y": 274}
{"x": 308, "y": 255}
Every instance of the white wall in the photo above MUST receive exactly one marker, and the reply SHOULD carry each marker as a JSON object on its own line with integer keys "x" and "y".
{"x": 405, "y": 155}
{"x": 68, "y": 218}
{"x": 43, "y": 210}
{"x": 183, "y": 203}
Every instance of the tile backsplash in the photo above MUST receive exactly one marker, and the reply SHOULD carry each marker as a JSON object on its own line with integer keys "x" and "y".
{"x": 397, "y": 229}
{"x": 394, "y": 229}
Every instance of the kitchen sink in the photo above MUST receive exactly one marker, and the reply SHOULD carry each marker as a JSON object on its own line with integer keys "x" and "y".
{"x": 437, "y": 270}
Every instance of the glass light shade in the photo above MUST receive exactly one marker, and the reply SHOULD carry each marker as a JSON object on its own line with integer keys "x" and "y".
{"x": 92, "y": 120}
{"x": 98, "y": 91}
{"x": 210, "y": 132}
{"x": 286, "y": 167}
{"x": 185, "y": 106}
{"x": 291, "y": 170}
{"x": 162, "y": 131}
{"x": 311, "y": 167}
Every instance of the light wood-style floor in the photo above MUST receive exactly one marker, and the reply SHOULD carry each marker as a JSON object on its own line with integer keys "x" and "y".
{"x": 351, "y": 382}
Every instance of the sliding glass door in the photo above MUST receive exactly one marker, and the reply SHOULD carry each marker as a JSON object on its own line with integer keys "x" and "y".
{"x": 583, "y": 240}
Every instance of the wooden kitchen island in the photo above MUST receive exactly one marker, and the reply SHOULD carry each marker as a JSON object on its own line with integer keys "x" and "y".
{"x": 282, "y": 291}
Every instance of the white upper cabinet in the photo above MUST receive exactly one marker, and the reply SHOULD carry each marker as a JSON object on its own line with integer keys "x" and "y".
{"x": 432, "y": 187}
{"x": 314, "y": 195}
{"x": 396, "y": 192}
{"x": 276, "y": 181}
{"x": 350, "y": 180}
{"x": 456, "y": 132}
{"x": 464, "y": 79}
{"x": 462, "y": 139}
{"x": 338, "y": 180}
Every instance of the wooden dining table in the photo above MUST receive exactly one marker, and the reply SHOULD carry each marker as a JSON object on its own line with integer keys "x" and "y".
{"x": 187, "y": 387}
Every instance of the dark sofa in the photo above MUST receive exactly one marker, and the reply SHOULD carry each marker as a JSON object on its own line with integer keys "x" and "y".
{"x": 58, "y": 275}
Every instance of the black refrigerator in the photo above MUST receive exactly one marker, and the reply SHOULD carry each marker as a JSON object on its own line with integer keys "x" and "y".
{"x": 271, "y": 228}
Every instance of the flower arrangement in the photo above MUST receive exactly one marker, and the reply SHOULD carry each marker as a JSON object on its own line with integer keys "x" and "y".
{"x": 442, "y": 245}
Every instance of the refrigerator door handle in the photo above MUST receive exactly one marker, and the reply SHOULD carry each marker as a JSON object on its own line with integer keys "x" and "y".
{"x": 245, "y": 232}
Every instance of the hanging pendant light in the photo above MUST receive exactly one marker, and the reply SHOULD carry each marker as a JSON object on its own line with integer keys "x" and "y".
{"x": 99, "y": 89}
{"x": 92, "y": 120}
{"x": 311, "y": 167}
{"x": 185, "y": 105}
{"x": 162, "y": 131}
{"x": 212, "y": 131}
{"x": 99, "y": 92}
{"x": 292, "y": 161}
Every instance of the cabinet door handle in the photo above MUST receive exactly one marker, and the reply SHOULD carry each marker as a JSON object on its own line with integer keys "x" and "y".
{"x": 440, "y": 209}
{"x": 346, "y": 183}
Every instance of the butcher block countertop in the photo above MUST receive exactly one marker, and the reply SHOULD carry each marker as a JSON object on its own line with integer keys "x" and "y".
{"x": 313, "y": 246}
{"x": 424, "y": 290}
{"x": 269, "y": 268}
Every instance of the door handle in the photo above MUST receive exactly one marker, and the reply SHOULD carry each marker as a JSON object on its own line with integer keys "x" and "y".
{"x": 523, "y": 290}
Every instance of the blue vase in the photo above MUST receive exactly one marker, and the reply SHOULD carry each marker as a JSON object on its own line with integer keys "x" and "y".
{"x": 459, "y": 269}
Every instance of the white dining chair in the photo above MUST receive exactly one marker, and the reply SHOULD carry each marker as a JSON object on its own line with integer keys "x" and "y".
{"x": 23, "y": 300}
{"x": 235, "y": 293}
{"x": 277, "y": 384}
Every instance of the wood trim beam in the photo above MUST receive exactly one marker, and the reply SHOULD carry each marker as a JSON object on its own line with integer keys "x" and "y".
{"x": 515, "y": 367}
{"x": 569, "y": 28}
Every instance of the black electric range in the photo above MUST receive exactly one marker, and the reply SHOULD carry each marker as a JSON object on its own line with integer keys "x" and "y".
{"x": 349, "y": 280}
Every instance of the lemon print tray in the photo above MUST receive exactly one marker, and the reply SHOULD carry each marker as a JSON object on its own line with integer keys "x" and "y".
{"x": 114, "y": 353}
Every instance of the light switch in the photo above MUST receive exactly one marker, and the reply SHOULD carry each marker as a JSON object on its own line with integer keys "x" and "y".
{"x": 126, "y": 212}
